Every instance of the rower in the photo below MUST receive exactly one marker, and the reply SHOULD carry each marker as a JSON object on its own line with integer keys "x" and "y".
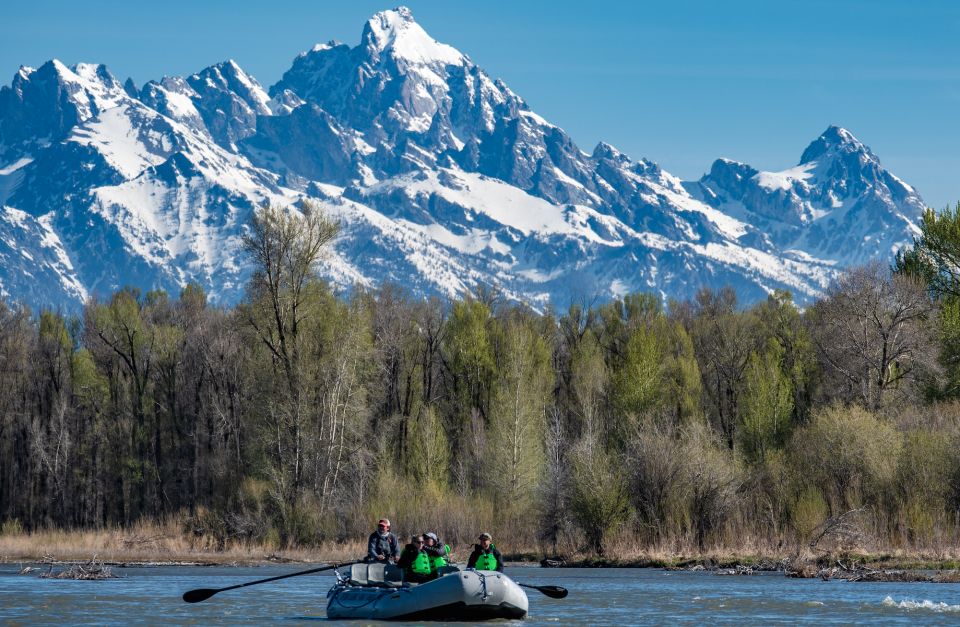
{"x": 485, "y": 555}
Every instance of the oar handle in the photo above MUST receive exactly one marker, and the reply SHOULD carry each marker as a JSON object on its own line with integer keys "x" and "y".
{"x": 279, "y": 577}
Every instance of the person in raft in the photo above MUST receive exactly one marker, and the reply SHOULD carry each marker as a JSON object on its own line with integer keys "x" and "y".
{"x": 415, "y": 562}
{"x": 382, "y": 546}
{"x": 437, "y": 551}
{"x": 485, "y": 555}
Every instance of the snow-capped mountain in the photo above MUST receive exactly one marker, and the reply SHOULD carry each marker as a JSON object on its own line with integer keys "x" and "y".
{"x": 442, "y": 177}
{"x": 837, "y": 204}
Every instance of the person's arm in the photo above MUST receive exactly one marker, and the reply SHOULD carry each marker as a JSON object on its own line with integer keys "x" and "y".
{"x": 394, "y": 548}
{"x": 496, "y": 554}
{"x": 472, "y": 560}
{"x": 372, "y": 547}
{"x": 434, "y": 551}
{"x": 406, "y": 558}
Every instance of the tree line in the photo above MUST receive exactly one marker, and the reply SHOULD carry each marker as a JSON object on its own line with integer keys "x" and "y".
{"x": 299, "y": 415}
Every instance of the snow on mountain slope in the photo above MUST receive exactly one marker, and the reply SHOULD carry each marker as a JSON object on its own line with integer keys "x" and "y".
{"x": 442, "y": 177}
{"x": 36, "y": 268}
{"x": 837, "y": 204}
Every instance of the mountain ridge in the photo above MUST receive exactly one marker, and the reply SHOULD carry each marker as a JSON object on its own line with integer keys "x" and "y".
{"x": 443, "y": 178}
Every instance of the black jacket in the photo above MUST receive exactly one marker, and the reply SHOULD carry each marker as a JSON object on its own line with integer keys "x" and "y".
{"x": 408, "y": 555}
{"x": 478, "y": 551}
{"x": 388, "y": 547}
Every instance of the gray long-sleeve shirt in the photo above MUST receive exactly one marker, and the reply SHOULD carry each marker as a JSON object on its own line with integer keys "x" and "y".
{"x": 386, "y": 546}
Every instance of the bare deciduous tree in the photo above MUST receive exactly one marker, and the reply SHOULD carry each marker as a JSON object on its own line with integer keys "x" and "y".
{"x": 872, "y": 334}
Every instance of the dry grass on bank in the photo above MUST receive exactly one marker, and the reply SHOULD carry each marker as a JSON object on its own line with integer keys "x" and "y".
{"x": 152, "y": 542}
{"x": 168, "y": 542}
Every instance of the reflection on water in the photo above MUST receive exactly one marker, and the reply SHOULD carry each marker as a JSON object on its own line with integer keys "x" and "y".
{"x": 597, "y": 597}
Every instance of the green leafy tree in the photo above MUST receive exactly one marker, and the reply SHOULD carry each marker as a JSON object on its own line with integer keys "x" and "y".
{"x": 934, "y": 259}
{"x": 589, "y": 379}
{"x": 682, "y": 384}
{"x": 518, "y": 416}
{"x": 429, "y": 451}
{"x": 469, "y": 355}
{"x": 935, "y": 255}
{"x": 778, "y": 319}
{"x": 766, "y": 403}
{"x": 123, "y": 342}
{"x": 638, "y": 374}
{"x": 283, "y": 309}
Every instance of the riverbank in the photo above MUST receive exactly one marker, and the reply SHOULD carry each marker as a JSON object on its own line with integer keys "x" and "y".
{"x": 172, "y": 543}
{"x": 167, "y": 545}
{"x": 760, "y": 563}
{"x": 158, "y": 545}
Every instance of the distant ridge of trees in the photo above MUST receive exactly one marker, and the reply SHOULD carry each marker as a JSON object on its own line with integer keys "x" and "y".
{"x": 299, "y": 416}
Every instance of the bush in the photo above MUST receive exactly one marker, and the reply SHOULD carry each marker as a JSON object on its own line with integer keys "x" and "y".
{"x": 808, "y": 511}
{"x": 923, "y": 481}
{"x": 849, "y": 454}
{"x": 600, "y": 501}
{"x": 654, "y": 456}
{"x": 767, "y": 496}
{"x": 712, "y": 479}
{"x": 11, "y": 527}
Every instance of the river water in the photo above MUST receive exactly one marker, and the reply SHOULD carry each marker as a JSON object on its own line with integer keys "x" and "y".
{"x": 151, "y": 596}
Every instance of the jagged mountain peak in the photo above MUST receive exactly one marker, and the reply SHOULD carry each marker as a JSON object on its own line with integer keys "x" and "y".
{"x": 24, "y": 72}
{"x": 43, "y": 104}
{"x": 94, "y": 71}
{"x": 93, "y": 77}
{"x": 729, "y": 171}
{"x": 226, "y": 73}
{"x": 227, "y": 77}
{"x": 396, "y": 33}
{"x": 835, "y": 139}
{"x": 603, "y": 150}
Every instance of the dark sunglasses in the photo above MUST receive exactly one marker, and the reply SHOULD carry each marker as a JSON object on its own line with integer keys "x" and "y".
{"x": 384, "y": 526}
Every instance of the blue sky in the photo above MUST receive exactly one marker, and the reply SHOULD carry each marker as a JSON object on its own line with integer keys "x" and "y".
{"x": 681, "y": 83}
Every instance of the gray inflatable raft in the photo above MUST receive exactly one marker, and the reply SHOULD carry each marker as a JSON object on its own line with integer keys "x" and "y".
{"x": 377, "y": 591}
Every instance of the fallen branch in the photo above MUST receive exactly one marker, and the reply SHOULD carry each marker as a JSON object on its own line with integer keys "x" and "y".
{"x": 92, "y": 570}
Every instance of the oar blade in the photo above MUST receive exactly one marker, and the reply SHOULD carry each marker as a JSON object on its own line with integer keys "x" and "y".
{"x": 554, "y": 592}
{"x": 200, "y": 594}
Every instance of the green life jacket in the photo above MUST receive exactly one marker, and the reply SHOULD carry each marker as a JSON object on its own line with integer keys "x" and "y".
{"x": 440, "y": 560}
{"x": 421, "y": 565}
{"x": 486, "y": 561}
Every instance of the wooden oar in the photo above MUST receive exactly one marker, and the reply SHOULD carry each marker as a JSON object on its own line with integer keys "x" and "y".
{"x": 202, "y": 594}
{"x": 554, "y": 592}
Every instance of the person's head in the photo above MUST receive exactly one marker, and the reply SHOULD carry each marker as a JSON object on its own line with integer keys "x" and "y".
{"x": 417, "y": 541}
{"x": 383, "y": 525}
{"x": 430, "y": 538}
{"x": 485, "y": 540}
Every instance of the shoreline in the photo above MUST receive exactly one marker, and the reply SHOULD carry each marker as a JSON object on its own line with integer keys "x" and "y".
{"x": 710, "y": 563}
{"x": 863, "y": 569}
{"x": 153, "y": 545}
